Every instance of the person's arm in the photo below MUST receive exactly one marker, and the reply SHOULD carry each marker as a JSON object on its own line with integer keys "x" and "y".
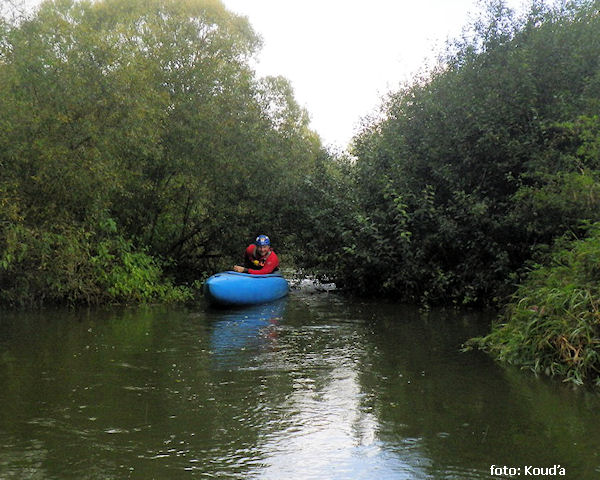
{"x": 248, "y": 257}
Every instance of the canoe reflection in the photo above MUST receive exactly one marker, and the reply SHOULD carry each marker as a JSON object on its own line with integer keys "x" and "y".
{"x": 246, "y": 330}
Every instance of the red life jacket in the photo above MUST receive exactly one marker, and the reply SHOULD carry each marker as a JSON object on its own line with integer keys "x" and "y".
{"x": 254, "y": 264}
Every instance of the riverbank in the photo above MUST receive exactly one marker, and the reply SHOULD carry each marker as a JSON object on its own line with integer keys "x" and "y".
{"x": 552, "y": 324}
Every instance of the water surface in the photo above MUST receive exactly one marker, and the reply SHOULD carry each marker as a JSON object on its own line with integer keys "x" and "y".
{"x": 312, "y": 387}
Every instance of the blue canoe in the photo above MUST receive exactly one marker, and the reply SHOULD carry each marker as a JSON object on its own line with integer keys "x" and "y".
{"x": 232, "y": 288}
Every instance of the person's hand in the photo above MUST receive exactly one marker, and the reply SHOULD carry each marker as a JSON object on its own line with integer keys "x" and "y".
{"x": 238, "y": 269}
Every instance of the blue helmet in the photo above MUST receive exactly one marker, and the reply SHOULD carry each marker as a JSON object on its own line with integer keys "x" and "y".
{"x": 262, "y": 240}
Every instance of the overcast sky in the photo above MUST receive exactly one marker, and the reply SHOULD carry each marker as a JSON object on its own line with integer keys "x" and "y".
{"x": 341, "y": 56}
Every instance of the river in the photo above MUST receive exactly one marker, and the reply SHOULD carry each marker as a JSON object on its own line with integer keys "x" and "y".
{"x": 313, "y": 387}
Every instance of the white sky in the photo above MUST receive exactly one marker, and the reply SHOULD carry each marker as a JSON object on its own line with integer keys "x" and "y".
{"x": 341, "y": 56}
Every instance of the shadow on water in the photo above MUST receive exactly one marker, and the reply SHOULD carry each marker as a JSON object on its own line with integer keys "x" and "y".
{"x": 313, "y": 386}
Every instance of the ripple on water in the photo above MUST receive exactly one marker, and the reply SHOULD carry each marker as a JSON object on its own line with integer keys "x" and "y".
{"x": 322, "y": 393}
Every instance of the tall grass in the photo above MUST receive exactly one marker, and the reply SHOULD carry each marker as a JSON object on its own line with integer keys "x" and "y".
{"x": 552, "y": 324}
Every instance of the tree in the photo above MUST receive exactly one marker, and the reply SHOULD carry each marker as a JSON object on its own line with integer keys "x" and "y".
{"x": 145, "y": 117}
{"x": 447, "y": 176}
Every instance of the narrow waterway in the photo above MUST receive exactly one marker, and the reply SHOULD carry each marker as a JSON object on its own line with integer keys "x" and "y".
{"x": 312, "y": 387}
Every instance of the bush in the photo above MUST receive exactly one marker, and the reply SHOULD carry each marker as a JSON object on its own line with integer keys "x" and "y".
{"x": 552, "y": 325}
{"x": 75, "y": 266}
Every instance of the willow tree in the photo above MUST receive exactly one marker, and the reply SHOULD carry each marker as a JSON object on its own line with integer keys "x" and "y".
{"x": 141, "y": 124}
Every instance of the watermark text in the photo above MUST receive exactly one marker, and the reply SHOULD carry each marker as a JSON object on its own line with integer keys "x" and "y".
{"x": 527, "y": 471}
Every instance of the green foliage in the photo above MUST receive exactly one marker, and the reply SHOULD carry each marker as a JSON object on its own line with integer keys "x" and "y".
{"x": 552, "y": 324}
{"x": 324, "y": 216}
{"x": 74, "y": 266}
{"x": 137, "y": 146}
{"x": 147, "y": 116}
{"x": 469, "y": 170}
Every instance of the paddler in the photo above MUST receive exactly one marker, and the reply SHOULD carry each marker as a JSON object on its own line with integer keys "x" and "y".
{"x": 259, "y": 258}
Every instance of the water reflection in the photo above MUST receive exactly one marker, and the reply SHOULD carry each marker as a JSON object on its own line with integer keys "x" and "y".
{"x": 238, "y": 330}
{"x": 330, "y": 434}
{"x": 311, "y": 387}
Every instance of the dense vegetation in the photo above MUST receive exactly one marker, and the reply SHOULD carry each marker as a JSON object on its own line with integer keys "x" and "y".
{"x": 468, "y": 176}
{"x": 553, "y": 324}
{"x": 139, "y": 152}
{"x": 137, "y": 149}
{"x": 476, "y": 167}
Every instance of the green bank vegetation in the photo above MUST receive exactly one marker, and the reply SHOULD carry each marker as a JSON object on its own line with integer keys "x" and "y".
{"x": 552, "y": 324}
{"x": 139, "y": 152}
{"x": 467, "y": 177}
{"x": 481, "y": 164}
{"x": 138, "y": 149}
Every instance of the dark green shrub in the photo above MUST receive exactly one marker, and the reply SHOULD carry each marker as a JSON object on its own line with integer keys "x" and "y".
{"x": 552, "y": 324}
